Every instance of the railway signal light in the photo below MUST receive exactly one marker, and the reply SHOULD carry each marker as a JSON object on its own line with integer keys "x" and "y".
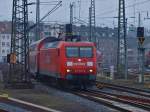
{"x": 140, "y": 32}
{"x": 140, "y": 35}
{"x": 13, "y": 58}
{"x": 141, "y": 40}
{"x": 69, "y": 29}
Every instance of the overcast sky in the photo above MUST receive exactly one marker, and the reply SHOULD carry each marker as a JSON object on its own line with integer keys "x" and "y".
{"x": 104, "y": 8}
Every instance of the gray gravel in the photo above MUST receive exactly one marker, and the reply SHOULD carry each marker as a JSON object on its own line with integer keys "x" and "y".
{"x": 95, "y": 107}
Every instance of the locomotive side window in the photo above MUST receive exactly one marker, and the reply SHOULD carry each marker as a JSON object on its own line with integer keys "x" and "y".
{"x": 72, "y": 51}
{"x": 51, "y": 44}
{"x": 86, "y": 52}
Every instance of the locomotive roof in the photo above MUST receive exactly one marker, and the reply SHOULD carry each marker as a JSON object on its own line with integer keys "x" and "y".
{"x": 57, "y": 44}
{"x": 53, "y": 39}
{"x": 45, "y": 40}
{"x": 53, "y": 42}
{"x": 79, "y": 43}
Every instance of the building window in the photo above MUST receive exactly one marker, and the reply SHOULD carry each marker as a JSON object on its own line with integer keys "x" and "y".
{"x": 7, "y": 51}
{"x": 3, "y": 36}
{"x": 4, "y": 58}
{"x": 8, "y": 44}
{"x": 3, "y": 51}
{"x": 7, "y": 36}
{"x": 3, "y": 44}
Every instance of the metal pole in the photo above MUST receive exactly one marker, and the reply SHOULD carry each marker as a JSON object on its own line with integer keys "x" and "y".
{"x": 19, "y": 44}
{"x": 90, "y": 26}
{"x": 92, "y": 23}
{"x": 126, "y": 58}
{"x": 121, "y": 45}
{"x": 79, "y": 8}
{"x": 141, "y": 52}
{"x": 71, "y": 13}
{"x": 142, "y": 60}
{"x": 134, "y": 10}
{"x": 139, "y": 20}
{"x": 38, "y": 19}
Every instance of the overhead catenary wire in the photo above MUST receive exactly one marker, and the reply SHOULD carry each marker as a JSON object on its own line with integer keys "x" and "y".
{"x": 79, "y": 8}
{"x": 51, "y": 11}
{"x": 49, "y": 3}
{"x": 111, "y": 11}
{"x": 46, "y": 15}
{"x": 115, "y": 10}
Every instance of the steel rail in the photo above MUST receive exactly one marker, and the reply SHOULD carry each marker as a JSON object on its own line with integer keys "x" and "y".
{"x": 131, "y": 88}
{"x": 108, "y": 100}
{"x": 142, "y": 101}
{"x": 102, "y": 102}
{"x": 135, "y": 91}
{"x": 114, "y": 98}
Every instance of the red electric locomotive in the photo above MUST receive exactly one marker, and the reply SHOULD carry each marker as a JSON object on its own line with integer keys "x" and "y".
{"x": 71, "y": 61}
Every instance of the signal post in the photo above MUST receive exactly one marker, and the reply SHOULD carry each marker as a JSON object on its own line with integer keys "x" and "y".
{"x": 141, "y": 49}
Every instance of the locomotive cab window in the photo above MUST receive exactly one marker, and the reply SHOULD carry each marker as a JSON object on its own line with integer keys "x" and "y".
{"x": 72, "y": 51}
{"x": 79, "y": 52}
{"x": 86, "y": 52}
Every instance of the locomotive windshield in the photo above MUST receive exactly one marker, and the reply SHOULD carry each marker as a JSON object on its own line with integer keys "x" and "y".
{"x": 79, "y": 52}
{"x": 86, "y": 52}
{"x": 72, "y": 51}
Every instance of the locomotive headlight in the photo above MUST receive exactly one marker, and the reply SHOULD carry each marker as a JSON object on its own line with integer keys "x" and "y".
{"x": 89, "y": 63}
{"x": 91, "y": 70}
{"x": 68, "y": 70}
{"x": 69, "y": 63}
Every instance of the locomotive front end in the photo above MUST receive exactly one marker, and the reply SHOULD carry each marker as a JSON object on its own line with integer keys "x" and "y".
{"x": 80, "y": 64}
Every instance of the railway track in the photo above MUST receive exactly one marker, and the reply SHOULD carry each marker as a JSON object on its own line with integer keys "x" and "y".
{"x": 121, "y": 103}
{"x": 82, "y": 94}
{"x": 111, "y": 100}
{"x": 135, "y": 91}
{"x": 145, "y": 103}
